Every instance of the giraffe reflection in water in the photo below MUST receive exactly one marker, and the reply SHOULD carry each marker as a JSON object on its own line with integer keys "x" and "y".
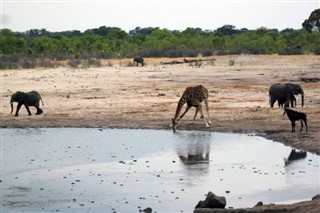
{"x": 195, "y": 148}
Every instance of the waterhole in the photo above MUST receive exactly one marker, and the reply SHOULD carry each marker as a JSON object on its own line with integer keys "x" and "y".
{"x": 122, "y": 170}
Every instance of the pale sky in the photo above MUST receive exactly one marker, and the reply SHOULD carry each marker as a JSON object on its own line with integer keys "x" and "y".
{"x": 61, "y": 15}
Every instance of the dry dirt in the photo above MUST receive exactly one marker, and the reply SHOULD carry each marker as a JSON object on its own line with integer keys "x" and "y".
{"x": 120, "y": 96}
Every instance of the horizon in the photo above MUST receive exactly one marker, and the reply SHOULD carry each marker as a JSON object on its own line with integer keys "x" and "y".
{"x": 81, "y": 15}
{"x": 210, "y": 30}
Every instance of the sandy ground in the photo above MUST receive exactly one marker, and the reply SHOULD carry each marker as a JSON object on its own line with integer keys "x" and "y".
{"x": 119, "y": 96}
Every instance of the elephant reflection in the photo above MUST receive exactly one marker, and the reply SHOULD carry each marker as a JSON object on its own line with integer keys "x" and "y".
{"x": 295, "y": 155}
{"x": 195, "y": 149}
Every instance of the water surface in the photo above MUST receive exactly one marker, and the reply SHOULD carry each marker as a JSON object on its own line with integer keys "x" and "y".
{"x": 106, "y": 170}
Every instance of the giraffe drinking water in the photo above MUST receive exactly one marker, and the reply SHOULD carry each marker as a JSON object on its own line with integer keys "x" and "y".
{"x": 193, "y": 96}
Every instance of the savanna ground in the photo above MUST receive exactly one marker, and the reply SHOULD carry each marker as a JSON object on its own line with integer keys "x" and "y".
{"x": 120, "y": 96}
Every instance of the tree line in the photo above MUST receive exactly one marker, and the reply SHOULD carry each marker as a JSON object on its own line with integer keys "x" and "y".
{"x": 111, "y": 42}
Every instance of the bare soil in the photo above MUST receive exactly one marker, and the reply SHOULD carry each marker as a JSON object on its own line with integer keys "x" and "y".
{"x": 120, "y": 96}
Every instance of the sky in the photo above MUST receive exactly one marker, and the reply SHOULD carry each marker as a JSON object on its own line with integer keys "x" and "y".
{"x": 62, "y": 15}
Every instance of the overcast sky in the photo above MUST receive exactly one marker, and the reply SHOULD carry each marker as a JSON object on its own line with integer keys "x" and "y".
{"x": 61, "y": 15}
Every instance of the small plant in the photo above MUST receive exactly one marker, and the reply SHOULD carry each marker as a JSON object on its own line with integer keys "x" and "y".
{"x": 74, "y": 63}
{"x": 94, "y": 62}
{"x": 130, "y": 64}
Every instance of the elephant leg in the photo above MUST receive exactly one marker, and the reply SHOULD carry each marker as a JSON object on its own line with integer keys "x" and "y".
{"x": 27, "y": 107}
{"x": 18, "y": 108}
{"x": 39, "y": 111}
{"x": 272, "y": 102}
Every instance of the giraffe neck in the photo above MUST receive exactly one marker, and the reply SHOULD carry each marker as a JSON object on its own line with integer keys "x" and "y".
{"x": 181, "y": 102}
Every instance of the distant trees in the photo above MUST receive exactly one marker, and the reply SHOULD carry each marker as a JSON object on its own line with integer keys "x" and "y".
{"x": 312, "y": 24}
{"x": 111, "y": 42}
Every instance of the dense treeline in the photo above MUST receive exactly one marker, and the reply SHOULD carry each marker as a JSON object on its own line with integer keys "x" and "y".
{"x": 113, "y": 42}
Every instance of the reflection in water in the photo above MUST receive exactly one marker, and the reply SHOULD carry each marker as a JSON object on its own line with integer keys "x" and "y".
{"x": 195, "y": 148}
{"x": 295, "y": 155}
{"x": 78, "y": 169}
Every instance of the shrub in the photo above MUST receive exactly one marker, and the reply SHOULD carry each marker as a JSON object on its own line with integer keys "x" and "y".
{"x": 206, "y": 53}
{"x": 94, "y": 62}
{"x": 28, "y": 63}
{"x": 190, "y": 53}
{"x": 317, "y": 51}
{"x": 173, "y": 54}
{"x": 130, "y": 64}
{"x": 74, "y": 63}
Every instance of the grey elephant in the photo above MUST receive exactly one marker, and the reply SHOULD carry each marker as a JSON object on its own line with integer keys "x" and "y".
{"x": 138, "y": 60}
{"x": 283, "y": 93}
{"x": 27, "y": 99}
{"x": 293, "y": 101}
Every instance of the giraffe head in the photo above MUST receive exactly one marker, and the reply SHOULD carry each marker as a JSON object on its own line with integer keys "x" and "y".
{"x": 174, "y": 124}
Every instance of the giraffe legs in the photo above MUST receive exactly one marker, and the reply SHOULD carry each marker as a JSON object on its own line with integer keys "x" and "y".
{"x": 207, "y": 109}
{"x": 195, "y": 115}
{"x": 198, "y": 109}
{"x": 201, "y": 113}
{"x": 187, "y": 109}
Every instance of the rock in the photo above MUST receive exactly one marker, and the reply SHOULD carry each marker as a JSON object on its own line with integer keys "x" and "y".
{"x": 317, "y": 197}
{"x": 212, "y": 201}
{"x": 259, "y": 204}
{"x": 148, "y": 210}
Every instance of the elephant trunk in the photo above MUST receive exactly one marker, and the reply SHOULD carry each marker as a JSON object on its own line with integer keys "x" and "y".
{"x": 302, "y": 100}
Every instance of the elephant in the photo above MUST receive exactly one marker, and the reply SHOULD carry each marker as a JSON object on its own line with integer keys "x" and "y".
{"x": 293, "y": 101}
{"x": 284, "y": 93}
{"x": 138, "y": 60}
{"x": 27, "y": 99}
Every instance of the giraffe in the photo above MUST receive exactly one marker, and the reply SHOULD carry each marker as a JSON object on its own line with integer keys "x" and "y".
{"x": 193, "y": 96}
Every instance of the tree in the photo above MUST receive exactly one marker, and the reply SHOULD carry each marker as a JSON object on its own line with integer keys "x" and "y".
{"x": 312, "y": 24}
{"x": 227, "y": 30}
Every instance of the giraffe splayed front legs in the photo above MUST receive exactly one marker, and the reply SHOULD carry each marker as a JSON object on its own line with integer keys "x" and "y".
{"x": 193, "y": 96}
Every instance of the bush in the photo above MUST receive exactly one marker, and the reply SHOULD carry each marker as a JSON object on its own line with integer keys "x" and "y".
{"x": 173, "y": 54}
{"x": 94, "y": 62}
{"x": 317, "y": 51}
{"x": 28, "y": 63}
{"x": 206, "y": 53}
{"x": 190, "y": 53}
{"x": 74, "y": 63}
{"x": 130, "y": 64}
{"x": 293, "y": 50}
{"x": 9, "y": 62}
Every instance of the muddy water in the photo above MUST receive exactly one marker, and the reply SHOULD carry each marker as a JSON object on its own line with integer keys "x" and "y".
{"x": 120, "y": 170}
